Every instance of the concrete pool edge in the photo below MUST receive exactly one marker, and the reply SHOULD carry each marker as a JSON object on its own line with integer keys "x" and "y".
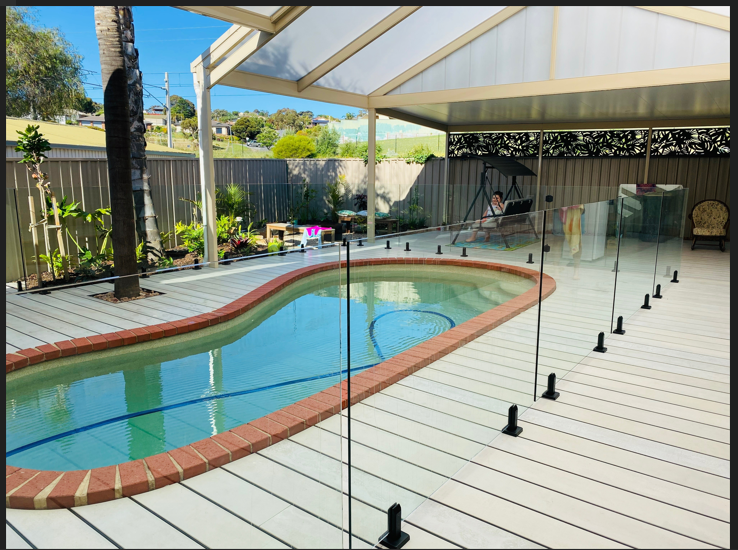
{"x": 35, "y": 489}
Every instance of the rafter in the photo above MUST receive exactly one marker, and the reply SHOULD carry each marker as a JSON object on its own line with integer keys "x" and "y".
{"x": 260, "y": 83}
{"x": 246, "y": 18}
{"x": 694, "y": 15}
{"x": 221, "y": 47}
{"x": 357, "y": 45}
{"x": 590, "y": 125}
{"x": 449, "y": 48}
{"x": 399, "y": 115}
{"x": 240, "y": 54}
{"x": 639, "y": 79}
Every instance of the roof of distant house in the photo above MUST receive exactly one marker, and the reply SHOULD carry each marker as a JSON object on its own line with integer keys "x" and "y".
{"x": 60, "y": 135}
{"x": 91, "y": 118}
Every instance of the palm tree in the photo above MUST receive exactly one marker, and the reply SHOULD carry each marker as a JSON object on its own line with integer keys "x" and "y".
{"x": 146, "y": 225}
{"x": 118, "y": 147}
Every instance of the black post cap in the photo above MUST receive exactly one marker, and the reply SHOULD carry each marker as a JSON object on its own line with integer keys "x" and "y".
{"x": 619, "y": 329}
{"x": 394, "y": 537}
{"x": 512, "y": 427}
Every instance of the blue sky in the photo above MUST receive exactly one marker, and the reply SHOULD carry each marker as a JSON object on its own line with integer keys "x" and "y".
{"x": 168, "y": 39}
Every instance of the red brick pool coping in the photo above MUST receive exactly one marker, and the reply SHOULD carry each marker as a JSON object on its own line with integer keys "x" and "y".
{"x": 35, "y": 489}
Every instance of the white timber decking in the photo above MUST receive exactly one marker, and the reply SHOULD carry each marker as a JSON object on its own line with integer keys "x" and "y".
{"x": 634, "y": 453}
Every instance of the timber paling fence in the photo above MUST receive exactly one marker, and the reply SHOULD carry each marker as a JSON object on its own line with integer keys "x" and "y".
{"x": 275, "y": 185}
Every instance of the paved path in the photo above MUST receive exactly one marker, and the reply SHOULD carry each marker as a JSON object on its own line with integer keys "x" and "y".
{"x": 635, "y": 452}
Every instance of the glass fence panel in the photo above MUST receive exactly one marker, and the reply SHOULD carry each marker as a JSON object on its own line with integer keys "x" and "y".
{"x": 443, "y": 337}
{"x": 671, "y": 237}
{"x": 580, "y": 245}
{"x": 231, "y": 364}
{"x": 639, "y": 235}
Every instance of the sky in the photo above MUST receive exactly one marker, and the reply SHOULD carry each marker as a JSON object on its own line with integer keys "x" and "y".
{"x": 168, "y": 40}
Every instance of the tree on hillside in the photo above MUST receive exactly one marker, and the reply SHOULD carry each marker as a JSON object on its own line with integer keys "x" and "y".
{"x": 248, "y": 127}
{"x": 267, "y": 138}
{"x": 43, "y": 72}
{"x": 118, "y": 148}
{"x": 288, "y": 118}
{"x": 146, "y": 224}
{"x": 221, "y": 115}
{"x": 294, "y": 147}
{"x": 181, "y": 108}
{"x": 308, "y": 114}
{"x": 349, "y": 116}
{"x": 86, "y": 105}
{"x": 326, "y": 143}
{"x": 189, "y": 126}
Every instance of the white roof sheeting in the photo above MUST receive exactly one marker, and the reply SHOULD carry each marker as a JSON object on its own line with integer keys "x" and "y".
{"x": 466, "y": 65}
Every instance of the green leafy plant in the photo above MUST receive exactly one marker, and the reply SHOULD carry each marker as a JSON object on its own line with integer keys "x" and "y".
{"x": 275, "y": 245}
{"x": 361, "y": 150}
{"x": 267, "y": 137}
{"x": 414, "y": 217}
{"x": 164, "y": 262}
{"x": 336, "y": 192}
{"x": 420, "y": 154}
{"x": 234, "y": 201}
{"x": 55, "y": 260}
{"x": 192, "y": 237}
{"x": 245, "y": 241}
{"x": 307, "y": 194}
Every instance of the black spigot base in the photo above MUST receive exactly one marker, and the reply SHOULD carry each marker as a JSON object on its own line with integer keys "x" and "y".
{"x": 554, "y": 396}
{"x": 359, "y": 244}
{"x": 644, "y": 306}
{"x": 463, "y": 253}
{"x": 45, "y": 291}
{"x": 601, "y": 349}
{"x": 398, "y": 542}
{"x": 515, "y": 432}
{"x": 530, "y": 259}
{"x": 618, "y": 331}
{"x": 657, "y": 296}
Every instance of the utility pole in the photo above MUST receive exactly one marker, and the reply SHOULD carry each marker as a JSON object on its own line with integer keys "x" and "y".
{"x": 169, "y": 114}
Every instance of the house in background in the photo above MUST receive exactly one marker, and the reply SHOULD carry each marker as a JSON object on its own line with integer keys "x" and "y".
{"x": 221, "y": 128}
{"x": 94, "y": 121}
{"x": 155, "y": 110}
{"x": 154, "y": 119}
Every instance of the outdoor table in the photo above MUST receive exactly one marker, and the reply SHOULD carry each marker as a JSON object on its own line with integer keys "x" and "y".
{"x": 289, "y": 228}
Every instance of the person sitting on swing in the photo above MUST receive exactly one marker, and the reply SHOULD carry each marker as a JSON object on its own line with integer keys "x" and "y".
{"x": 488, "y": 220}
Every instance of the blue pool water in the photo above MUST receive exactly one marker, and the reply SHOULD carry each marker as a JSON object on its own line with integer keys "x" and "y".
{"x": 129, "y": 404}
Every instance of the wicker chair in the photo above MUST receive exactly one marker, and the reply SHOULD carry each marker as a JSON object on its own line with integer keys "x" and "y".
{"x": 710, "y": 221}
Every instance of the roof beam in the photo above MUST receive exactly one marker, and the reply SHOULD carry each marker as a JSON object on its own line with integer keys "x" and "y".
{"x": 593, "y": 125}
{"x": 221, "y": 47}
{"x": 451, "y": 47}
{"x": 621, "y": 81}
{"x": 239, "y": 55}
{"x": 357, "y": 45}
{"x": 694, "y": 15}
{"x": 267, "y": 84}
{"x": 399, "y": 115}
{"x": 246, "y": 18}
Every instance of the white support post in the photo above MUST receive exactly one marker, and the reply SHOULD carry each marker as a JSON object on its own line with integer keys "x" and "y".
{"x": 446, "y": 175}
{"x": 207, "y": 168}
{"x": 371, "y": 173}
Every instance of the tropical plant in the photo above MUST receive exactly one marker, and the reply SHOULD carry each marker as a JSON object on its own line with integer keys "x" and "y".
{"x": 336, "y": 192}
{"x": 294, "y": 147}
{"x": 275, "y": 245}
{"x": 349, "y": 116}
{"x": 43, "y": 72}
{"x": 55, "y": 260}
{"x": 244, "y": 242}
{"x": 420, "y": 154}
{"x": 118, "y": 147}
{"x": 34, "y": 146}
{"x": 226, "y": 227}
{"x": 414, "y": 217}
{"x": 234, "y": 201}
{"x": 192, "y": 236}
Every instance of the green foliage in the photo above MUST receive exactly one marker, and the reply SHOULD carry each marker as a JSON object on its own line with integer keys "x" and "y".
{"x": 336, "y": 195}
{"x": 248, "y": 127}
{"x": 244, "y": 241}
{"x": 86, "y": 105}
{"x": 43, "y": 72}
{"x": 294, "y": 147}
{"x": 267, "y": 138}
{"x": 234, "y": 202}
{"x": 326, "y": 144}
{"x": 33, "y": 145}
{"x": 289, "y": 118}
{"x": 420, "y": 154}
{"x": 275, "y": 245}
{"x": 414, "y": 217}
{"x": 55, "y": 261}
{"x": 349, "y": 116}
{"x": 189, "y": 125}
{"x": 192, "y": 236}
{"x": 360, "y": 150}
{"x": 222, "y": 115}
{"x": 306, "y": 195}
{"x": 182, "y": 108}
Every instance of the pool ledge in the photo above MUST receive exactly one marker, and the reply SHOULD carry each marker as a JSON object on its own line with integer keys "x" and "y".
{"x": 35, "y": 489}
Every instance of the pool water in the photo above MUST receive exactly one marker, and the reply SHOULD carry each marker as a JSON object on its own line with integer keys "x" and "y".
{"x": 124, "y": 404}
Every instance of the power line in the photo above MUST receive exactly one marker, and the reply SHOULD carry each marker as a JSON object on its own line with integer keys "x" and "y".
{"x": 168, "y": 29}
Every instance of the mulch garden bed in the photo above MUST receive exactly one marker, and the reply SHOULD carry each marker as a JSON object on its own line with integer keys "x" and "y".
{"x": 110, "y": 296}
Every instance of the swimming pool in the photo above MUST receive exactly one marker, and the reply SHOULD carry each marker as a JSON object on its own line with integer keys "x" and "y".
{"x": 126, "y": 404}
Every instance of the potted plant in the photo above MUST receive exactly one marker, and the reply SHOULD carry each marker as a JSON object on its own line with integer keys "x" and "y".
{"x": 336, "y": 192}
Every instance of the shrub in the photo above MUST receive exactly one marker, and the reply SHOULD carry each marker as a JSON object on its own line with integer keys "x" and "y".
{"x": 326, "y": 144}
{"x": 267, "y": 138}
{"x": 420, "y": 154}
{"x": 294, "y": 147}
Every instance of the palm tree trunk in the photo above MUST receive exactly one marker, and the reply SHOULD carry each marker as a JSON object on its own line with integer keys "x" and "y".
{"x": 118, "y": 147}
{"x": 146, "y": 224}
